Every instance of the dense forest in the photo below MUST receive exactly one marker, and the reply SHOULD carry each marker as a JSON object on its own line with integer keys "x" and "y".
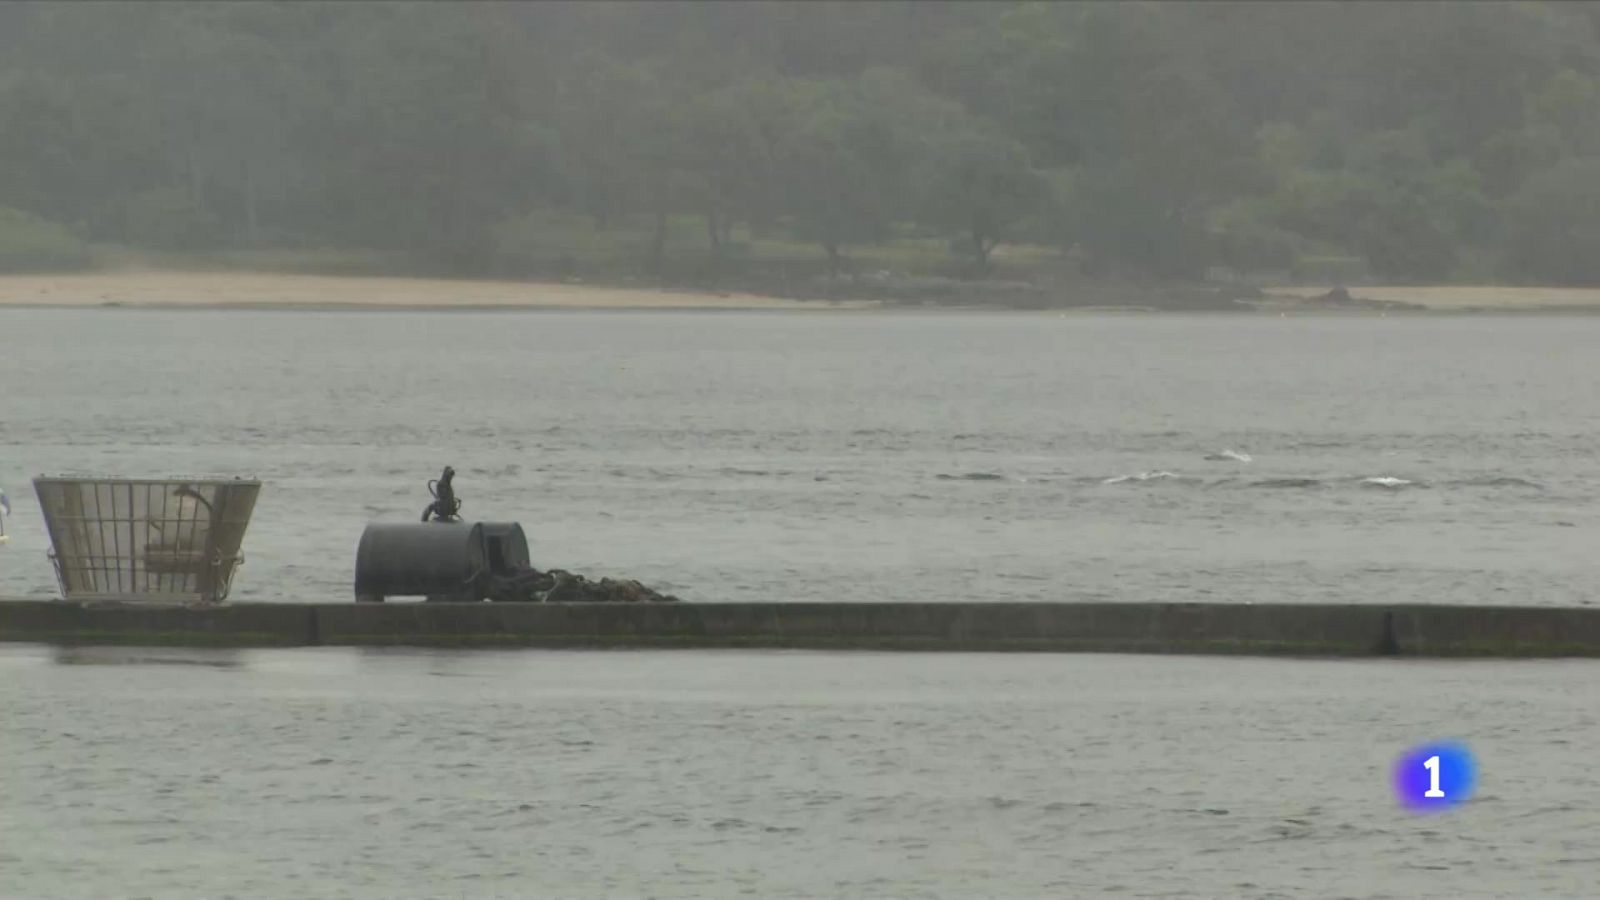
{"x": 1334, "y": 141}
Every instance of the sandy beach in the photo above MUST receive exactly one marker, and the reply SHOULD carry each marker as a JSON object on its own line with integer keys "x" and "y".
{"x": 155, "y": 289}
{"x": 1462, "y": 298}
{"x": 252, "y": 290}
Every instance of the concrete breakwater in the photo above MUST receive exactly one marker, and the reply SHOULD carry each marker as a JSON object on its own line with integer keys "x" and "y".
{"x": 1260, "y": 629}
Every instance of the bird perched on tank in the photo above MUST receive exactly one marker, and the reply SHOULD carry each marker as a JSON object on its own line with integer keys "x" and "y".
{"x": 445, "y": 506}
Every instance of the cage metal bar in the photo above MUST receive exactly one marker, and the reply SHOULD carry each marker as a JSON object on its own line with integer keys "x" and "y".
{"x": 164, "y": 580}
{"x": 144, "y": 538}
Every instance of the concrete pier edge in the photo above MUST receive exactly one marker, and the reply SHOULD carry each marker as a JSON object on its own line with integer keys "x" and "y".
{"x": 1193, "y": 628}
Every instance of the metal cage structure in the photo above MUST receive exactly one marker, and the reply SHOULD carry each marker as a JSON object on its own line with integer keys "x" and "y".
{"x": 154, "y": 540}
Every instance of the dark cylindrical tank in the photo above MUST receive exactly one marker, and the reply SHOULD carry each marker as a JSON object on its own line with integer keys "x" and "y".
{"x": 505, "y": 547}
{"x": 436, "y": 560}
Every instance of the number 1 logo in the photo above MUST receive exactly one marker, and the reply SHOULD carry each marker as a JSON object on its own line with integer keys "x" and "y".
{"x": 1432, "y": 765}
{"x": 1434, "y": 777}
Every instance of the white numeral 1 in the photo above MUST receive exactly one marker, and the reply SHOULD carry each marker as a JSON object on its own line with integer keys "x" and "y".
{"x": 1432, "y": 765}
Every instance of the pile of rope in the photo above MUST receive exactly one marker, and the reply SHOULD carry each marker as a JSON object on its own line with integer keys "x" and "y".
{"x": 560, "y": 586}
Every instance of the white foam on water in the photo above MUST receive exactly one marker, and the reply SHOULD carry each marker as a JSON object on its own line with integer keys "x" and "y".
{"x": 1142, "y": 476}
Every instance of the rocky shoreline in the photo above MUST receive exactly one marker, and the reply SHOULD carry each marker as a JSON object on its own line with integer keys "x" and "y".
{"x": 890, "y": 289}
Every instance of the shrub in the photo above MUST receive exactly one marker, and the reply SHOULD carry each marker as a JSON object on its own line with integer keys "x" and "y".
{"x": 31, "y": 244}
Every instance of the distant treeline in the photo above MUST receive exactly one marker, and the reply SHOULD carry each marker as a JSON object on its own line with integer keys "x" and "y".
{"x": 1404, "y": 141}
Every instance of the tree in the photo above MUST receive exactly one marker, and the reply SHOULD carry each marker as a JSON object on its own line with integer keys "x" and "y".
{"x": 843, "y": 169}
{"x": 1174, "y": 136}
{"x": 981, "y": 186}
{"x": 608, "y": 115}
{"x": 1553, "y": 225}
{"x": 419, "y": 147}
{"x": 723, "y": 149}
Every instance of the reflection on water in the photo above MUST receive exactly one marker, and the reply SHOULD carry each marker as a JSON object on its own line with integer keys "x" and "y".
{"x": 209, "y": 657}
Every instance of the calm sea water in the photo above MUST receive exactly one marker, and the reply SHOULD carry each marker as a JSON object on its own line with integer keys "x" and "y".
{"x": 830, "y": 456}
{"x": 772, "y": 456}
{"x": 334, "y": 773}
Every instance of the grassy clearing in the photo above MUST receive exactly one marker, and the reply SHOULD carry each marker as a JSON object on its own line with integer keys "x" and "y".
{"x": 562, "y": 246}
{"x": 116, "y": 258}
{"x": 575, "y": 244}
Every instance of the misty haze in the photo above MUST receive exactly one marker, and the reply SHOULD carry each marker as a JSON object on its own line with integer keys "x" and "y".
{"x": 787, "y": 335}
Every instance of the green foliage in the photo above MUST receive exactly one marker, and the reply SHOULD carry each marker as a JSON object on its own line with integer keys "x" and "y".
{"x": 1553, "y": 225}
{"x": 1415, "y": 141}
{"x": 1245, "y": 239}
{"x": 843, "y": 167}
{"x": 31, "y": 244}
{"x": 981, "y": 187}
{"x": 1568, "y": 107}
{"x": 1126, "y": 225}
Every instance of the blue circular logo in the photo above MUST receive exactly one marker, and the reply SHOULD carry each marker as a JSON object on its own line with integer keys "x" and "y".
{"x": 1435, "y": 777}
